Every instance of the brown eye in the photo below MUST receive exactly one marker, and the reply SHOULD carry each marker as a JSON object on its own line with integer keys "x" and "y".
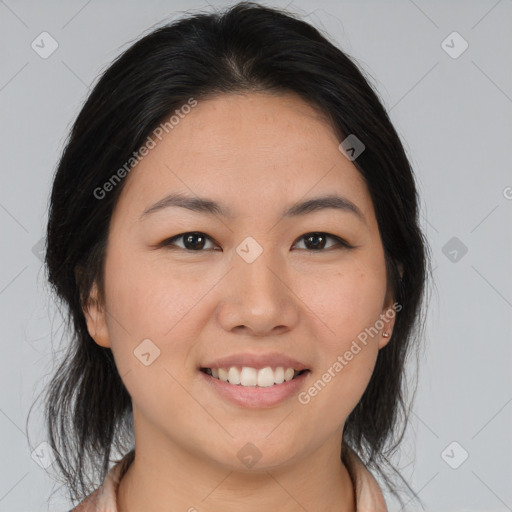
{"x": 317, "y": 241}
{"x": 193, "y": 241}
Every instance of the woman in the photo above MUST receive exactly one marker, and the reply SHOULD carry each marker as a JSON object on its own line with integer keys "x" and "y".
{"x": 234, "y": 229}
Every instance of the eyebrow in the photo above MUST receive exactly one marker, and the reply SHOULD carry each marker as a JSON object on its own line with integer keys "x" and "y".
{"x": 210, "y": 207}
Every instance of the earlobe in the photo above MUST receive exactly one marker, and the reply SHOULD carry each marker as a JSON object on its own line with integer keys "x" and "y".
{"x": 388, "y": 318}
{"x": 385, "y": 337}
{"x": 96, "y": 320}
{"x": 389, "y": 313}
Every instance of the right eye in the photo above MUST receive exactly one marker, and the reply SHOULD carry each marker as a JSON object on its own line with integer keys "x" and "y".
{"x": 193, "y": 241}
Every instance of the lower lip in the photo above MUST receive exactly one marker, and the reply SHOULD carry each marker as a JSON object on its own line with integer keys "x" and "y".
{"x": 254, "y": 396}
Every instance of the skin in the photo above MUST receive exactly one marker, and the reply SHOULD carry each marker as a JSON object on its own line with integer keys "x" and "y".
{"x": 257, "y": 153}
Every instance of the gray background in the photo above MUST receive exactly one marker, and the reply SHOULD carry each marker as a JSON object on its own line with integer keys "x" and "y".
{"x": 454, "y": 115}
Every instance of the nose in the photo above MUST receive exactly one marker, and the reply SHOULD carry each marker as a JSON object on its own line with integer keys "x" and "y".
{"x": 257, "y": 298}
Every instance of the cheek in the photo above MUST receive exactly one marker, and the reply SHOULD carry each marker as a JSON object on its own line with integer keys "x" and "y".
{"x": 347, "y": 306}
{"x": 348, "y": 348}
{"x": 149, "y": 297}
{"x": 150, "y": 301}
{"x": 345, "y": 301}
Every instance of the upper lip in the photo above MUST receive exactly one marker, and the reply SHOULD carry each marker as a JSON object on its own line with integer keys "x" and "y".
{"x": 257, "y": 361}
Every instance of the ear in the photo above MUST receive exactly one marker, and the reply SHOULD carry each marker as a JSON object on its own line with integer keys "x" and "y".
{"x": 388, "y": 315}
{"x": 96, "y": 318}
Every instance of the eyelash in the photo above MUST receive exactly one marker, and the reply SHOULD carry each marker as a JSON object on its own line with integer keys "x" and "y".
{"x": 340, "y": 243}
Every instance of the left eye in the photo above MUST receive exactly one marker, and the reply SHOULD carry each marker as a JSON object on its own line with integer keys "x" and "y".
{"x": 315, "y": 241}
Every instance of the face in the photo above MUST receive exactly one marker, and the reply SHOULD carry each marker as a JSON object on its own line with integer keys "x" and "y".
{"x": 246, "y": 286}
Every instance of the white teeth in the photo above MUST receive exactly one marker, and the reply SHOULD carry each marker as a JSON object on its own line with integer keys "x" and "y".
{"x": 279, "y": 375}
{"x": 234, "y": 376}
{"x": 223, "y": 374}
{"x": 265, "y": 377}
{"x": 250, "y": 377}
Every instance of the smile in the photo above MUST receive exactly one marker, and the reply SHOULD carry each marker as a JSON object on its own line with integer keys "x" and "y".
{"x": 253, "y": 377}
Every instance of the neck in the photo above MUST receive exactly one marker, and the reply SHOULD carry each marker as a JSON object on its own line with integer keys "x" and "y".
{"x": 173, "y": 479}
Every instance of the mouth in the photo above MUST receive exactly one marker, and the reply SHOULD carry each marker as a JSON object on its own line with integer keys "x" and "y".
{"x": 253, "y": 377}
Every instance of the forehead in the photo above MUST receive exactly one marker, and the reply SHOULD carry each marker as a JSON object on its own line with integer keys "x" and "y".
{"x": 246, "y": 150}
{"x": 266, "y": 125}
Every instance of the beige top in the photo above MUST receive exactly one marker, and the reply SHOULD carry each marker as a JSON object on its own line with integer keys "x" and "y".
{"x": 369, "y": 497}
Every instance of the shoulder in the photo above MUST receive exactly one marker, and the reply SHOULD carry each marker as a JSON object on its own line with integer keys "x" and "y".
{"x": 103, "y": 499}
{"x": 369, "y": 497}
{"x": 89, "y": 504}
